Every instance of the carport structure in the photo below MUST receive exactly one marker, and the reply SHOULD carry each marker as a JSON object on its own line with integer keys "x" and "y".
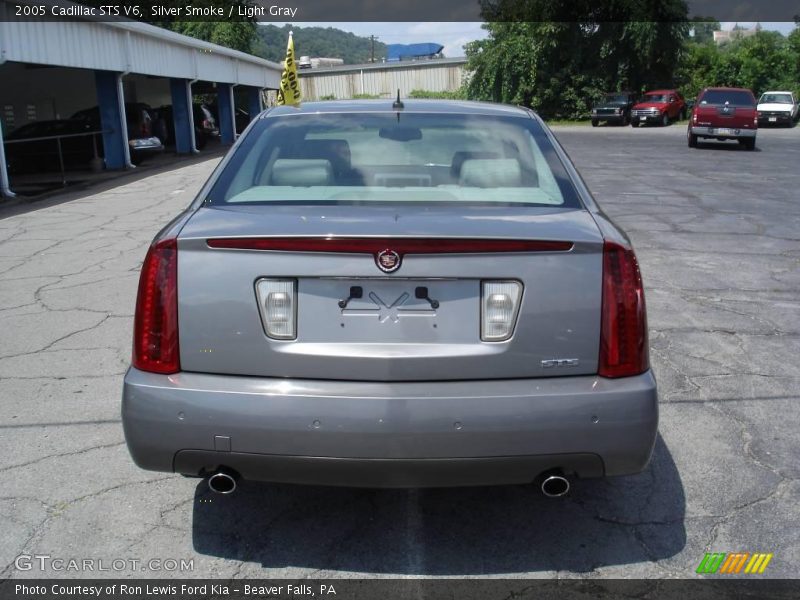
{"x": 70, "y": 57}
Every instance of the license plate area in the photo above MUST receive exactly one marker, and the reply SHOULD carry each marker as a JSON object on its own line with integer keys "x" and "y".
{"x": 722, "y": 131}
{"x": 388, "y": 310}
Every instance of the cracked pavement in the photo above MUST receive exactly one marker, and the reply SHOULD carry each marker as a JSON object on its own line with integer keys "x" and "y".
{"x": 717, "y": 232}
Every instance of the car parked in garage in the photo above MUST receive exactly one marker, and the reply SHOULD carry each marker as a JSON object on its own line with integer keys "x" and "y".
{"x": 724, "y": 114}
{"x": 613, "y": 108}
{"x": 777, "y": 108}
{"x": 205, "y": 125}
{"x": 142, "y": 140}
{"x": 241, "y": 117}
{"x": 369, "y": 293}
{"x": 659, "y": 107}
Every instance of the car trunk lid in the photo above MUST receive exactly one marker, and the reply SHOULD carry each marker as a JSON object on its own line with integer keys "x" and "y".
{"x": 419, "y": 322}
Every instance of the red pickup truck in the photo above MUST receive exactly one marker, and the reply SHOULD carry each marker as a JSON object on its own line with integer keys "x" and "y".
{"x": 658, "y": 106}
{"x": 724, "y": 114}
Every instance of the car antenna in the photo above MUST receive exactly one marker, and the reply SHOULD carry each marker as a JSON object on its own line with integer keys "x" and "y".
{"x": 398, "y": 104}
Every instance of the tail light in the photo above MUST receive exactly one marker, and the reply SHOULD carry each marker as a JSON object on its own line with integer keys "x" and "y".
{"x": 206, "y": 124}
{"x": 155, "y": 329}
{"x": 623, "y": 333}
{"x": 694, "y": 117}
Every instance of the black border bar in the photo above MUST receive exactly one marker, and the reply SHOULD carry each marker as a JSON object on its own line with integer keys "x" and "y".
{"x": 729, "y": 587}
{"x": 332, "y": 11}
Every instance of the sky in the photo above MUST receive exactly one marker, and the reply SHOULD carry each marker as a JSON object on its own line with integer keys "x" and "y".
{"x": 784, "y": 28}
{"x": 453, "y": 36}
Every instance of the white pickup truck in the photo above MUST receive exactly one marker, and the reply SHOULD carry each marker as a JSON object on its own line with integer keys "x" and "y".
{"x": 777, "y": 108}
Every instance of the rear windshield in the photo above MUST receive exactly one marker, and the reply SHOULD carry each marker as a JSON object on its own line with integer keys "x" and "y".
{"x": 776, "y": 99}
{"x": 655, "y": 98}
{"x": 732, "y": 97}
{"x": 345, "y": 158}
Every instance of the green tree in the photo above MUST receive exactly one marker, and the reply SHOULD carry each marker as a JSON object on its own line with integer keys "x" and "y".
{"x": 698, "y": 68}
{"x": 238, "y": 34}
{"x": 794, "y": 49}
{"x": 316, "y": 41}
{"x": 766, "y": 60}
{"x": 759, "y": 62}
{"x": 545, "y": 53}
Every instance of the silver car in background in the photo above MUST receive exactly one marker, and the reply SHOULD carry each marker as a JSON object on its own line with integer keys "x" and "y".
{"x": 370, "y": 294}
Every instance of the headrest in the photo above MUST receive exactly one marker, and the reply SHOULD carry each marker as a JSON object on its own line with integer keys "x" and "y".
{"x": 330, "y": 149}
{"x": 462, "y": 155}
{"x": 336, "y": 151}
{"x": 491, "y": 172}
{"x": 301, "y": 172}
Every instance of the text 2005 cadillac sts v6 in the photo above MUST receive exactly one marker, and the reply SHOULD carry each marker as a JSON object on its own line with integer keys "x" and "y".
{"x": 391, "y": 295}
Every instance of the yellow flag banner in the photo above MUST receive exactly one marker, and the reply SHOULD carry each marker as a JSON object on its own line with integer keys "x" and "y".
{"x": 289, "y": 93}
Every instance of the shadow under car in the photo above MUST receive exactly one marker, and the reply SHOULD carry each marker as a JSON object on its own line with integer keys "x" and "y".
{"x": 448, "y": 531}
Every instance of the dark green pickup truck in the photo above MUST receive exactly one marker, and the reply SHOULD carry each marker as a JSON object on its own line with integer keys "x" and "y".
{"x": 614, "y": 107}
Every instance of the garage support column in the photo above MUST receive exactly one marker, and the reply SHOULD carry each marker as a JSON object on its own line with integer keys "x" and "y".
{"x": 5, "y": 188}
{"x": 227, "y": 132}
{"x": 112, "y": 119}
{"x": 182, "y": 115}
{"x": 253, "y": 102}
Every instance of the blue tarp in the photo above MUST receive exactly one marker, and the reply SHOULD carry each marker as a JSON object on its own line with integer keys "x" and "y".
{"x": 411, "y": 51}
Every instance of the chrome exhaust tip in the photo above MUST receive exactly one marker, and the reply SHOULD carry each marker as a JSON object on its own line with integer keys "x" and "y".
{"x": 222, "y": 483}
{"x": 555, "y": 486}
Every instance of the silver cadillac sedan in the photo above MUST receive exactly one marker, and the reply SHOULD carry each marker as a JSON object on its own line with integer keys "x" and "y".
{"x": 392, "y": 294}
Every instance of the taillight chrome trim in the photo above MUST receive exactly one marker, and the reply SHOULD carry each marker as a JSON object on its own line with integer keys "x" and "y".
{"x": 374, "y": 245}
{"x": 155, "y": 329}
{"x": 624, "y": 350}
{"x": 262, "y": 297}
{"x": 516, "y": 300}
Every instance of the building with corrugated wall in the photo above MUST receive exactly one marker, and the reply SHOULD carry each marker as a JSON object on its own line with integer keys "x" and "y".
{"x": 49, "y": 69}
{"x": 383, "y": 79}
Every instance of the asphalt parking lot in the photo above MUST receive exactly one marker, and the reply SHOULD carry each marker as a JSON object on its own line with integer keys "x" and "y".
{"x": 717, "y": 231}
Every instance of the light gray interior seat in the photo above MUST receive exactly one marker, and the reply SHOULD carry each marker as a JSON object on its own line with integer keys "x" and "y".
{"x": 301, "y": 172}
{"x": 490, "y": 172}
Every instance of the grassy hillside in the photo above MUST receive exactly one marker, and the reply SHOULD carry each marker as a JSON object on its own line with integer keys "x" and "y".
{"x": 315, "y": 41}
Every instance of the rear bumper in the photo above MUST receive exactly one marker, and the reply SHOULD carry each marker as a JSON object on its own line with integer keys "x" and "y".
{"x": 389, "y": 434}
{"x": 612, "y": 118}
{"x": 143, "y": 148}
{"x": 711, "y": 132}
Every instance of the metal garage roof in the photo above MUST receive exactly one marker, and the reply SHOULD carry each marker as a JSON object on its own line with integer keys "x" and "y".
{"x": 129, "y": 46}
